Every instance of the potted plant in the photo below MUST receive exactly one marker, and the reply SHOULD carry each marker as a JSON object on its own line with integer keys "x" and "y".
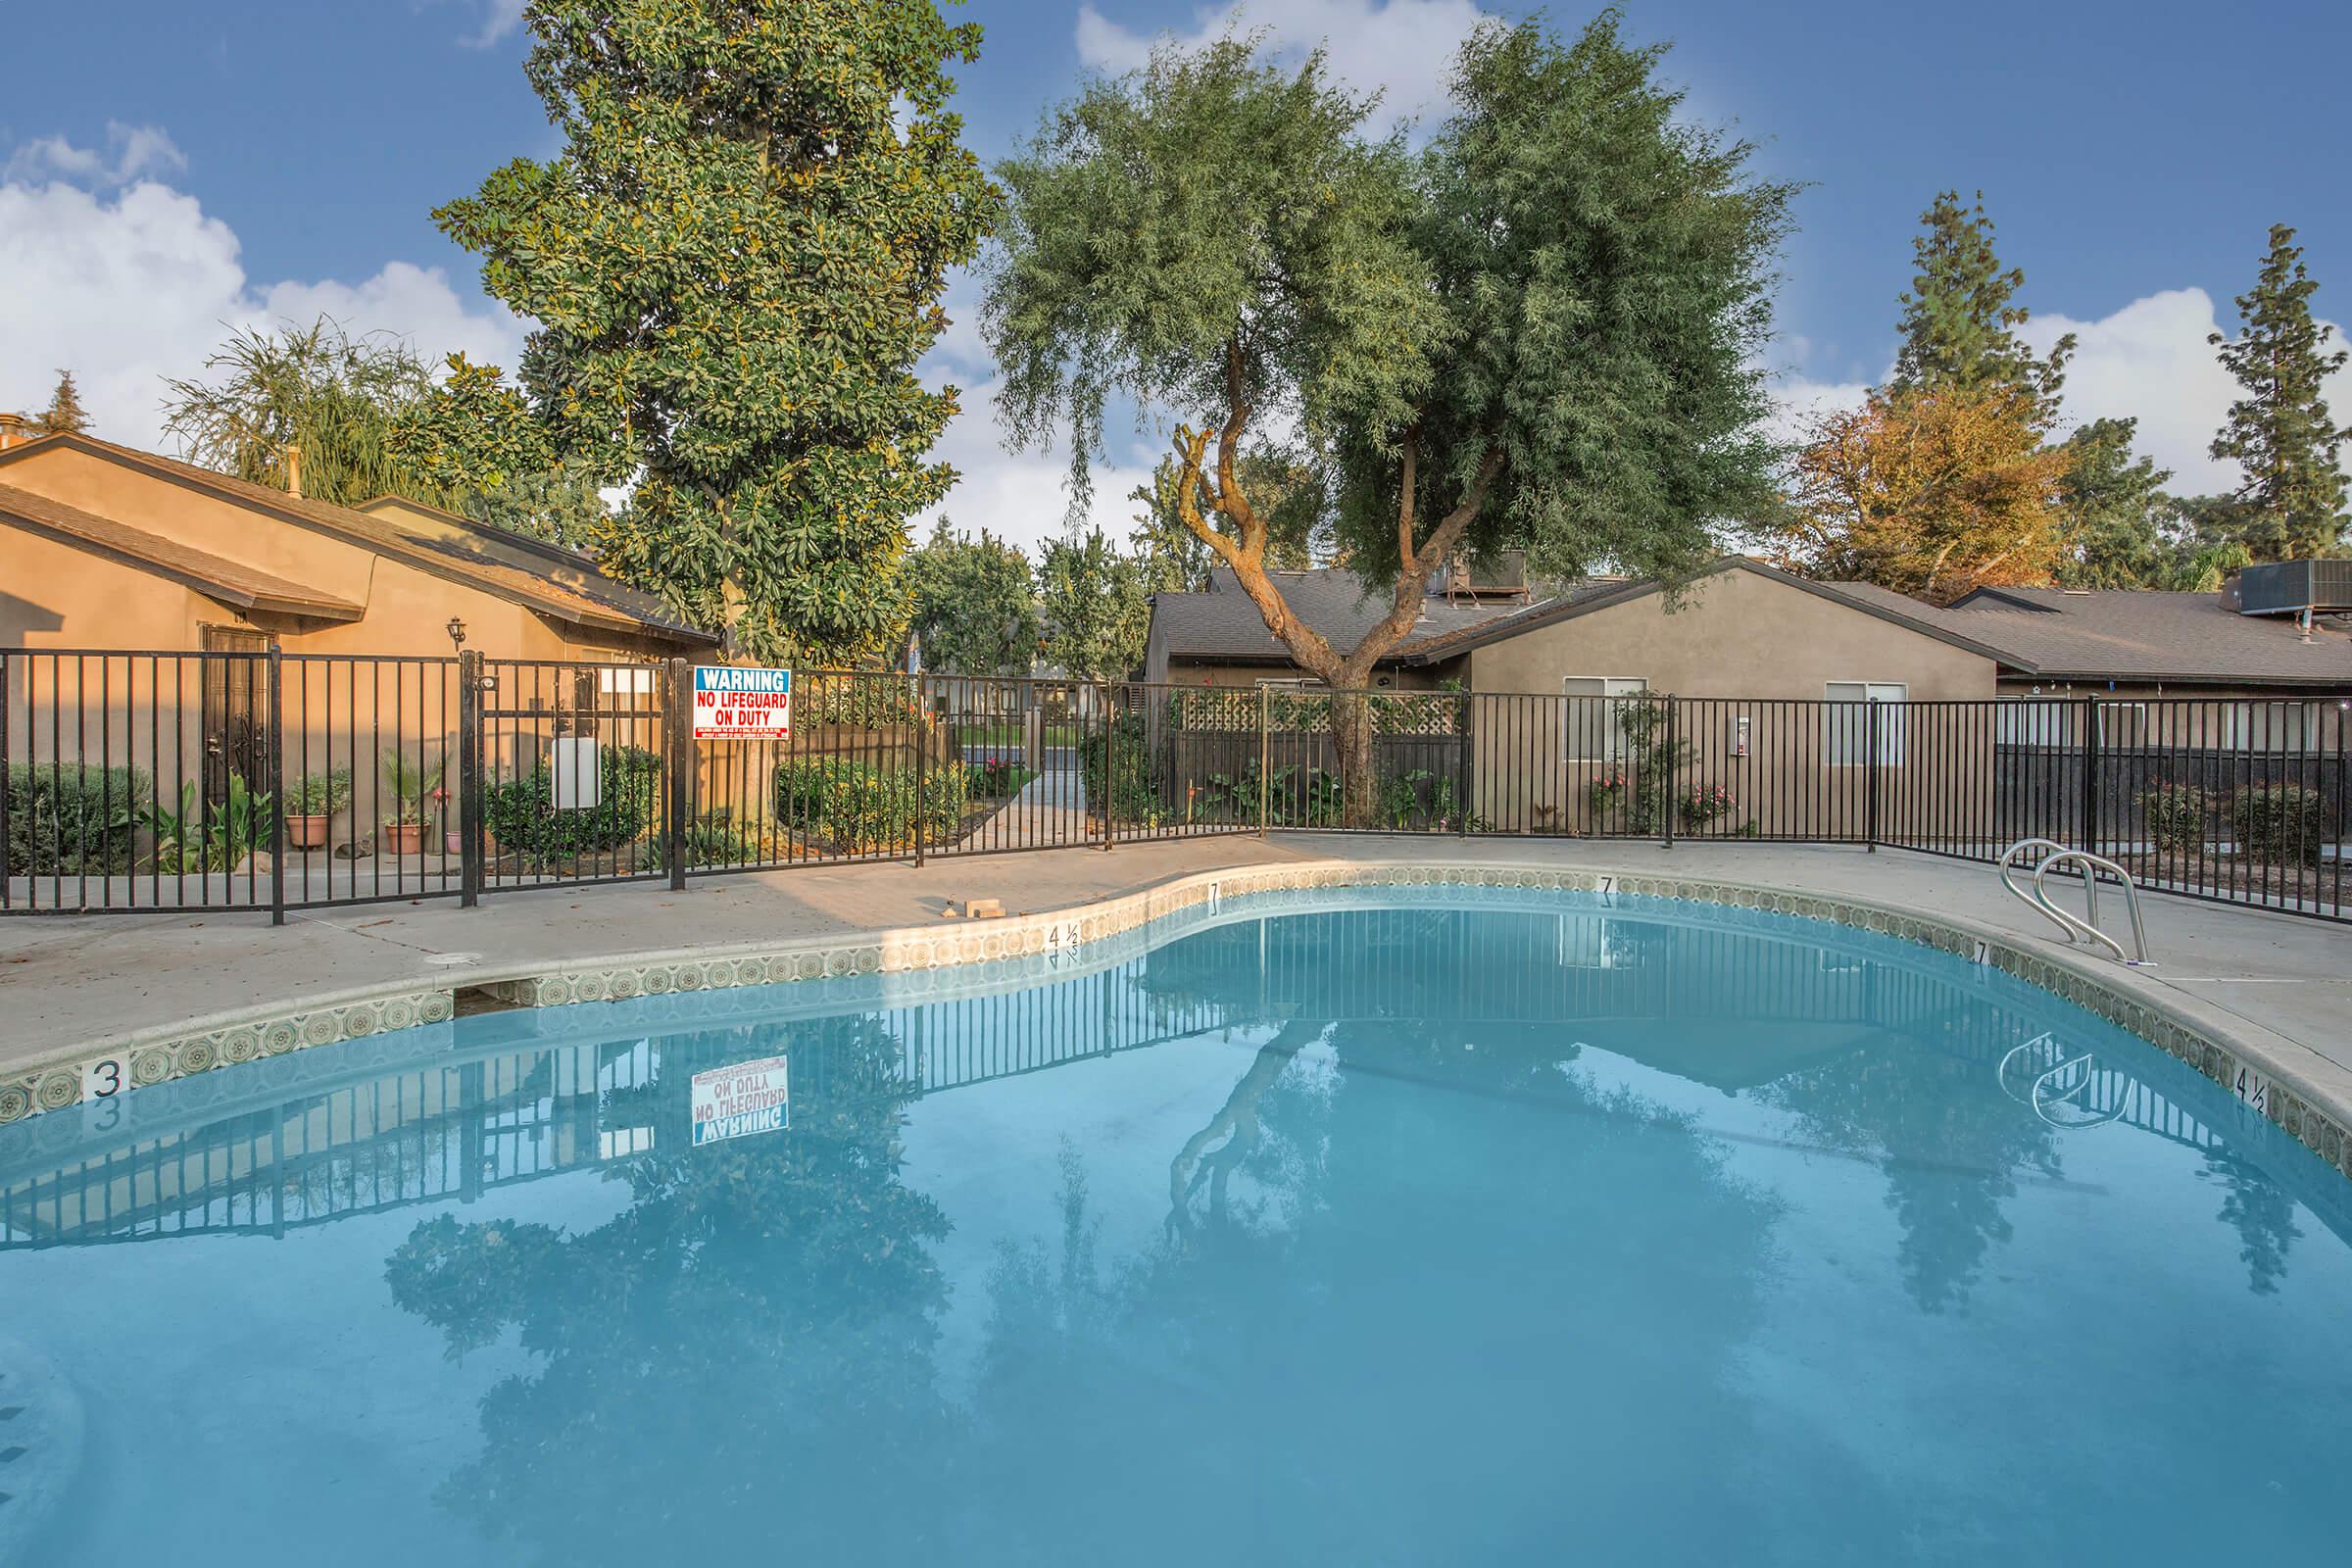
{"x": 310, "y": 805}
{"x": 410, "y": 784}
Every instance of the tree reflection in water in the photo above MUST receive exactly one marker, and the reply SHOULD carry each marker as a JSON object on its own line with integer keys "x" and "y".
{"x": 1423, "y": 1278}
{"x": 763, "y": 1313}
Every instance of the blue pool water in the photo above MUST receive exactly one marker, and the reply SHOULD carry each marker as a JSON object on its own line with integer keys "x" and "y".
{"x": 1355, "y": 1230}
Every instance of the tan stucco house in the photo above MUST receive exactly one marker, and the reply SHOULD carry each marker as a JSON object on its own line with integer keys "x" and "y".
{"x": 104, "y": 546}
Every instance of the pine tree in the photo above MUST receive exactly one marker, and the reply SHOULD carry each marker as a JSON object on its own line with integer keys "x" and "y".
{"x": 2281, "y": 431}
{"x": 65, "y": 415}
{"x": 2119, "y": 521}
{"x": 1960, "y": 318}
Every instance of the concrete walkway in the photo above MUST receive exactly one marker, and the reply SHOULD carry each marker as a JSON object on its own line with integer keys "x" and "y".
{"x": 1050, "y": 810}
{"x": 74, "y": 981}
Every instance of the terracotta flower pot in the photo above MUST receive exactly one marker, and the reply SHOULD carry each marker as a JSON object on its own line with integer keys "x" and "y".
{"x": 404, "y": 837}
{"x": 307, "y": 832}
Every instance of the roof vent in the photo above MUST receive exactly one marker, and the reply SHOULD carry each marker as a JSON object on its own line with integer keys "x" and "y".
{"x": 2291, "y": 587}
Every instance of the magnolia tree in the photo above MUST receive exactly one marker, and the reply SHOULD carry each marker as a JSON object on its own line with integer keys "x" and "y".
{"x": 1540, "y": 329}
{"x": 734, "y": 262}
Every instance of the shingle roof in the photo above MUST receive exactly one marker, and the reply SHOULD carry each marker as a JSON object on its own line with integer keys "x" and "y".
{"x": 466, "y": 539}
{"x": 1224, "y": 624}
{"x": 2140, "y": 635}
{"x": 231, "y": 582}
{"x": 579, "y": 603}
{"x": 1600, "y": 592}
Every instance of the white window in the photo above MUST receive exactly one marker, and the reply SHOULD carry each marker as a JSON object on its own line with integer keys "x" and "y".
{"x": 1848, "y": 716}
{"x": 2123, "y": 726}
{"x": 2037, "y": 722}
{"x": 2272, "y": 726}
{"x": 1593, "y": 728}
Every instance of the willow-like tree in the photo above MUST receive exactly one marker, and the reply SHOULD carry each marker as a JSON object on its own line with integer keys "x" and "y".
{"x": 735, "y": 262}
{"x": 2280, "y": 433}
{"x": 317, "y": 388}
{"x": 1541, "y": 330}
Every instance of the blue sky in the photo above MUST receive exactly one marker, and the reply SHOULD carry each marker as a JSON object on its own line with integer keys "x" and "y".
{"x": 164, "y": 168}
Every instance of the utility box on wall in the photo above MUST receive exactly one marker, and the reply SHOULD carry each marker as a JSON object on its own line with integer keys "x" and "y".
{"x": 578, "y": 774}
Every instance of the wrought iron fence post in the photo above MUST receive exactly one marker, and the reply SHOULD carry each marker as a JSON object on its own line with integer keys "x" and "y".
{"x": 2091, "y": 774}
{"x": 6, "y": 663}
{"x": 1111, "y": 763}
{"x": 1461, "y": 768}
{"x": 1265, "y": 696}
{"x": 678, "y": 749}
{"x": 469, "y": 778}
{"x": 1870, "y": 758}
{"x": 923, "y": 746}
{"x": 1666, "y": 800}
{"x": 277, "y": 785}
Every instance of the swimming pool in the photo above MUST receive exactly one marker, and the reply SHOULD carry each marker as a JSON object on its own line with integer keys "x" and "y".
{"x": 1374, "y": 1226}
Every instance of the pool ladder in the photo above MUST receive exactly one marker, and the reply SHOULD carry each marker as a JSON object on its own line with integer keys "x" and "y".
{"x": 2088, "y": 928}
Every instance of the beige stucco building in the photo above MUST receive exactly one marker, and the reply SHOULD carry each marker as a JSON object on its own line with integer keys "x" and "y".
{"x": 140, "y": 596}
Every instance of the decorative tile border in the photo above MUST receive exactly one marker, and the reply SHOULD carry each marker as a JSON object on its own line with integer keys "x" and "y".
{"x": 2320, "y": 1120}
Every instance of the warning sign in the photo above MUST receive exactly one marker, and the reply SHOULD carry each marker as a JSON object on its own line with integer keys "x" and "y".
{"x": 741, "y": 705}
{"x": 751, "y": 1097}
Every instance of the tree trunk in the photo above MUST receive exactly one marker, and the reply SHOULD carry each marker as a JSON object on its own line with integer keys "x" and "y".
{"x": 1351, "y": 739}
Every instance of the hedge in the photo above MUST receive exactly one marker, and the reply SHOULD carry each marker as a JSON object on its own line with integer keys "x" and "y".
{"x": 859, "y": 808}
{"x": 2283, "y": 824}
{"x": 2176, "y": 816}
{"x": 522, "y": 817}
{"x": 72, "y": 820}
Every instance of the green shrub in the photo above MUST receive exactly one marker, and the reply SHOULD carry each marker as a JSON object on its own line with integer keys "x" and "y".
{"x": 2178, "y": 816}
{"x": 320, "y": 794}
{"x": 2283, "y": 824}
{"x": 72, "y": 819}
{"x": 859, "y": 807}
{"x": 194, "y": 839}
{"x": 521, "y": 815}
{"x": 1118, "y": 750}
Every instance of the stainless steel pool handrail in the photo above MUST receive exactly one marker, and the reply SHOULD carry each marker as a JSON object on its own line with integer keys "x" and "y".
{"x": 2088, "y": 928}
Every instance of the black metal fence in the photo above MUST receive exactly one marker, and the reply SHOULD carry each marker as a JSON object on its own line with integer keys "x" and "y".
{"x": 264, "y": 781}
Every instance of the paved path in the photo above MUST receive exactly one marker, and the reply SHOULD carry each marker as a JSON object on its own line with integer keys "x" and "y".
{"x": 78, "y": 980}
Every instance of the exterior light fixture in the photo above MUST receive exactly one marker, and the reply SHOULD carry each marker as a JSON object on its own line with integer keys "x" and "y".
{"x": 456, "y": 634}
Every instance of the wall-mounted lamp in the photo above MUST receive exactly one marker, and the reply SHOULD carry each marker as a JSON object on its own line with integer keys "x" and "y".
{"x": 1739, "y": 737}
{"x": 456, "y": 634}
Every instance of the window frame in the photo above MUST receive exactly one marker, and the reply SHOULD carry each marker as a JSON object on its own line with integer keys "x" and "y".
{"x": 1615, "y": 744}
{"x": 1894, "y": 740}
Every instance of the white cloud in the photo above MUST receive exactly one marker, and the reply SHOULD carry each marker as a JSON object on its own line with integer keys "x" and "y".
{"x": 1025, "y": 496}
{"x": 131, "y": 152}
{"x": 125, "y": 288}
{"x": 1798, "y": 402}
{"x": 2151, "y": 360}
{"x": 1402, "y": 47}
{"x": 499, "y": 18}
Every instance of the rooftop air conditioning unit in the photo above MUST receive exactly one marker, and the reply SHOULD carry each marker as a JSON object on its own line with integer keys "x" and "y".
{"x": 2291, "y": 587}
{"x": 1501, "y": 576}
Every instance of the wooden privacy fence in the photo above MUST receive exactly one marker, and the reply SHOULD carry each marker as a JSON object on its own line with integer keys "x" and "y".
{"x": 262, "y": 780}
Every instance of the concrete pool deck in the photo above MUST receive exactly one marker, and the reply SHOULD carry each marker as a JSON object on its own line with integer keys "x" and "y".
{"x": 2274, "y": 988}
